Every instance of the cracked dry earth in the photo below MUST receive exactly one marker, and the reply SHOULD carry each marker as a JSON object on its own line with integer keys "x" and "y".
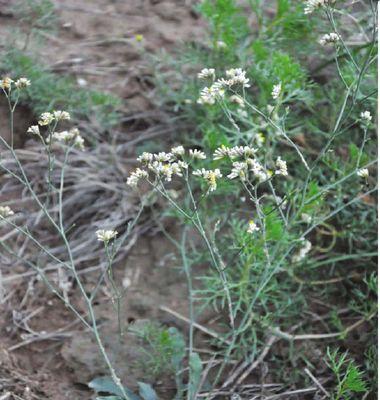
{"x": 44, "y": 352}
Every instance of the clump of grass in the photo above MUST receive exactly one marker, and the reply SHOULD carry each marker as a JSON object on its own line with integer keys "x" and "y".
{"x": 52, "y": 91}
{"x": 163, "y": 348}
{"x": 348, "y": 375}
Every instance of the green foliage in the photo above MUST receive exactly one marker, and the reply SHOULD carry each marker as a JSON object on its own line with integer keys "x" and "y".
{"x": 195, "y": 365}
{"x": 163, "y": 348}
{"x": 39, "y": 15}
{"x": 106, "y": 384}
{"x": 348, "y": 375}
{"x": 226, "y": 21}
{"x": 50, "y": 91}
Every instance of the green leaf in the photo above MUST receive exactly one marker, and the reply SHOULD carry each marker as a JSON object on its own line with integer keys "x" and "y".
{"x": 354, "y": 381}
{"x": 195, "y": 373}
{"x": 179, "y": 348}
{"x": 146, "y": 391}
{"x": 274, "y": 228}
{"x": 105, "y": 384}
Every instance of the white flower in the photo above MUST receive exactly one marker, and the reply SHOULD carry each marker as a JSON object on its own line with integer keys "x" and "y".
{"x": 254, "y": 166}
{"x": 197, "y": 154}
{"x": 276, "y": 91}
{"x": 238, "y": 100}
{"x": 156, "y": 167}
{"x": 366, "y": 116}
{"x": 237, "y": 76}
{"x": 302, "y": 252}
{"x": 178, "y": 151}
{"x": 239, "y": 170}
{"x": 105, "y": 235}
{"x": 135, "y": 177}
{"x": 240, "y": 151}
{"x": 252, "y": 227}
{"x": 209, "y": 95}
{"x": 177, "y": 167}
{"x": 6, "y": 83}
{"x": 306, "y": 218}
{"x": 220, "y": 44}
{"x": 210, "y": 176}
{"x": 22, "y": 83}
{"x": 199, "y": 172}
{"x": 34, "y": 130}
{"x": 312, "y": 5}
{"x": 46, "y": 118}
{"x": 183, "y": 164}
{"x": 282, "y": 168}
{"x": 61, "y": 115}
{"x": 207, "y": 73}
{"x": 64, "y": 136}
{"x": 5, "y": 211}
{"x": 163, "y": 157}
{"x": 329, "y": 38}
{"x": 78, "y": 142}
{"x": 167, "y": 171}
{"x": 363, "y": 173}
{"x": 221, "y": 152}
{"x": 257, "y": 170}
{"x": 145, "y": 158}
{"x": 262, "y": 176}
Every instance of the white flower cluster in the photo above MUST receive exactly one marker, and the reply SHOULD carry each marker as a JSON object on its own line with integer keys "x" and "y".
{"x": 306, "y": 218}
{"x": 209, "y": 95}
{"x": 238, "y": 100}
{"x": 34, "y": 130}
{"x": 221, "y": 45}
{"x": 197, "y": 154}
{"x": 47, "y": 118}
{"x": 21, "y": 83}
{"x": 252, "y": 227}
{"x": 366, "y": 116}
{"x": 282, "y": 168}
{"x": 363, "y": 173}
{"x": 234, "y": 152}
{"x": 302, "y": 252}
{"x": 60, "y": 115}
{"x": 207, "y": 73}
{"x": 72, "y": 136}
{"x": 312, "y": 5}
{"x": 163, "y": 165}
{"x": 236, "y": 76}
{"x": 135, "y": 177}
{"x": 242, "y": 169}
{"x": 5, "y": 211}
{"x": 210, "y": 176}
{"x": 105, "y": 235}
{"x": 166, "y": 165}
{"x": 276, "y": 91}
{"x": 329, "y": 38}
